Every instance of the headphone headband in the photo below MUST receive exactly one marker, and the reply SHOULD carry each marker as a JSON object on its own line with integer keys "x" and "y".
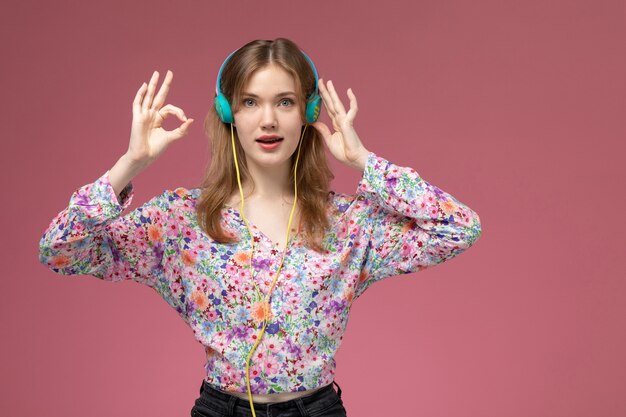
{"x": 219, "y": 74}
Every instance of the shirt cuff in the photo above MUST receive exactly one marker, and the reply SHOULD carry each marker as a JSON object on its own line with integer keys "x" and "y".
{"x": 123, "y": 200}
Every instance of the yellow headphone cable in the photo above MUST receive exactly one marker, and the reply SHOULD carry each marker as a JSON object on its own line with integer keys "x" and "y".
{"x": 266, "y": 306}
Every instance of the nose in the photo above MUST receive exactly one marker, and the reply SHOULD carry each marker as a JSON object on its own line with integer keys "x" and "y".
{"x": 268, "y": 117}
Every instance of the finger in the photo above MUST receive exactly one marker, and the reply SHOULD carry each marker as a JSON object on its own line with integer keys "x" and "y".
{"x": 182, "y": 130}
{"x": 326, "y": 99}
{"x": 139, "y": 97}
{"x": 147, "y": 101}
{"x": 353, "y": 105}
{"x": 165, "y": 88}
{"x": 176, "y": 111}
{"x": 335, "y": 98}
{"x": 323, "y": 129}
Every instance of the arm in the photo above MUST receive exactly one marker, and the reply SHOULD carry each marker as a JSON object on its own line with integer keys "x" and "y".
{"x": 91, "y": 237}
{"x": 405, "y": 223}
{"x": 410, "y": 223}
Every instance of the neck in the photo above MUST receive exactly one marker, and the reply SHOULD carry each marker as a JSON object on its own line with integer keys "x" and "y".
{"x": 270, "y": 183}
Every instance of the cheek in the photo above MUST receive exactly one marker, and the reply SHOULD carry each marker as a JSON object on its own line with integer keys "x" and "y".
{"x": 243, "y": 123}
{"x": 294, "y": 122}
{"x": 294, "y": 131}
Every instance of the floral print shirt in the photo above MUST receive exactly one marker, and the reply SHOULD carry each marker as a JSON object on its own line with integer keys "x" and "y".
{"x": 396, "y": 223}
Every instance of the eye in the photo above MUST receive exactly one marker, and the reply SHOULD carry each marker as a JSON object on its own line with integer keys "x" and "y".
{"x": 288, "y": 101}
{"x": 248, "y": 102}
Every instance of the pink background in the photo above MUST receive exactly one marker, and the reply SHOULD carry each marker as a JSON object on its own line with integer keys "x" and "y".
{"x": 515, "y": 108}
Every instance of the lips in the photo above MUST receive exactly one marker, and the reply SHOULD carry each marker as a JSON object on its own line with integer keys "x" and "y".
{"x": 269, "y": 139}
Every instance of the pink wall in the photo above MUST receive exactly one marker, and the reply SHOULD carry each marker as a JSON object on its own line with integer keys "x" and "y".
{"x": 515, "y": 108}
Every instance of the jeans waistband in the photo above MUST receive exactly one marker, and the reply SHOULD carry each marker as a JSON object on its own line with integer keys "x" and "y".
{"x": 226, "y": 403}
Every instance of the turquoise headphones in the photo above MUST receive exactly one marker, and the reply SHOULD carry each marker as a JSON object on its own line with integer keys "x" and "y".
{"x": 225, "y": 113}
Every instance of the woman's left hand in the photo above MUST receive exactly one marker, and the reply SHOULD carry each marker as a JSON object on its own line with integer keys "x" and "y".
{"x": 344, "y": 143}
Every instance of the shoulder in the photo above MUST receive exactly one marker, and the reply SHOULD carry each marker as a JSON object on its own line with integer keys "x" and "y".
{"x": 341, "y": 205}
{"x": 185, "y": 194}
{"x": 180, "y": 198}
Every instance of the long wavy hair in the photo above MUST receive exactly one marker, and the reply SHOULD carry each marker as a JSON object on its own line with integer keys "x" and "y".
{"x": 220, "y": 181}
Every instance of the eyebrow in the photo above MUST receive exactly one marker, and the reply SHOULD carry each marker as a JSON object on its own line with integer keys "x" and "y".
{"x": 284, "y": 93}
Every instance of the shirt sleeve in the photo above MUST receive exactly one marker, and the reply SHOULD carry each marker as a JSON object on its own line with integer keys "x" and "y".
{"x": 411, "y": 223}
{"x": 91, "y": 237}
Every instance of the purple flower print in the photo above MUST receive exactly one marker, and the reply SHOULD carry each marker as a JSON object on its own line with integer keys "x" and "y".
{"x": 272, "y": 328}
{"x": 261, "y": 264}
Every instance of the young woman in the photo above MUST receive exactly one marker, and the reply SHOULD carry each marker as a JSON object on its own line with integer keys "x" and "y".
{"x": 262, "y": 261}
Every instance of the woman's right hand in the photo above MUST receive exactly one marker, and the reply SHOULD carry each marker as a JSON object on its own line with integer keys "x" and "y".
{"x": 147, "y": 138}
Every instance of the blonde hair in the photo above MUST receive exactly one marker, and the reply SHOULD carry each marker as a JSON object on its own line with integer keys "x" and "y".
{"x": 313, "y": 174}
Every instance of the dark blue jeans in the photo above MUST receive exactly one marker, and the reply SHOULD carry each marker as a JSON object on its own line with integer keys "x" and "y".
{"x": 322, "y": 403}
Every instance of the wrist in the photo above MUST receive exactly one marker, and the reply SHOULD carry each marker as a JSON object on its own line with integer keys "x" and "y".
{"x": 132, "y": 163}
{"x": 124, "y": 170}
{"x": 360, "y": 161}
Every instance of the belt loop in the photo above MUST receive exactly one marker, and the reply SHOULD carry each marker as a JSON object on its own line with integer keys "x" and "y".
{"x": 231, "y": 405}
{"x": 301, "y": 407}
{"x": 338, "y": 389}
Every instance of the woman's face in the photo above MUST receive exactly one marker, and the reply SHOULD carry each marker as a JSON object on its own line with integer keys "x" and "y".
{"x": 268, "y": 120}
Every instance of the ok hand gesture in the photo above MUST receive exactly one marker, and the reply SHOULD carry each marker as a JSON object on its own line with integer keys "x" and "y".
{"x": 147, "y": 138}
{"x": 344, "y": 143}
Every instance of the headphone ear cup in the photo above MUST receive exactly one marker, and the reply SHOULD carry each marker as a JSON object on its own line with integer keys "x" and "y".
{"x": 313, "y": 107}
{"x": 222, "y": 106}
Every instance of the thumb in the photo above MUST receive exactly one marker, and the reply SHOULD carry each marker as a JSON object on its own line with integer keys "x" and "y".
{"x": 323, "y": 129}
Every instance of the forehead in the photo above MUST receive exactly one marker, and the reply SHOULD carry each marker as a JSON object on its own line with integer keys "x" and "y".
{"x": 270, "y": 80}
